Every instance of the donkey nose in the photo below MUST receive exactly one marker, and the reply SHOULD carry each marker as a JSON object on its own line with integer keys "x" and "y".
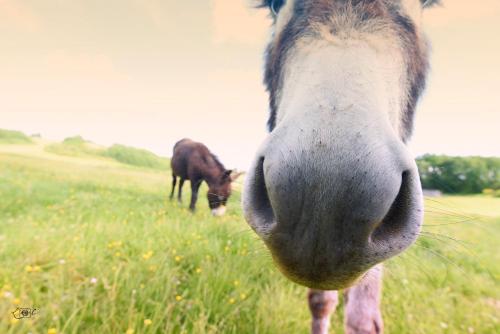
{"x": 325, "y": 199}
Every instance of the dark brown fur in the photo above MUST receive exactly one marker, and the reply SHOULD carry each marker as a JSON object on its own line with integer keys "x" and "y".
{"x": 194, "y": 162}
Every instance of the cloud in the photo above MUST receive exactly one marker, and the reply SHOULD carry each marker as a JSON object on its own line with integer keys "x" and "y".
{"x": 237, "y": 22}
{"x": 20, "y": 15}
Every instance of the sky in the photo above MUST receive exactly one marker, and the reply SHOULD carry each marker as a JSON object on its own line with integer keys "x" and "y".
{"x": 147, "y": 73}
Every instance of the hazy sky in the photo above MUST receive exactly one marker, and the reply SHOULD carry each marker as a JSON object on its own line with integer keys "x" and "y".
{"x": 149, "y": 72}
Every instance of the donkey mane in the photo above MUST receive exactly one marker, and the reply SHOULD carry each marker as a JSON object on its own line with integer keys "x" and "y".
{"x": 216, "y": 160}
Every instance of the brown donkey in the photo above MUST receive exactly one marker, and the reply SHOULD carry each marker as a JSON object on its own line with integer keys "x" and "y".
{"x": 334, "y": 191}
{"x": 193, "y": 161}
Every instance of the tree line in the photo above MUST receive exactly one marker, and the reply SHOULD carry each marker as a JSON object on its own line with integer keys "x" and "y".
{"x": 460, "y": 175}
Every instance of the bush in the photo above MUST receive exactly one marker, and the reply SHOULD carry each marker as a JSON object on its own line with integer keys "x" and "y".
{"x": 75, "y": 146}
{"x": 76, "y": 140}
{"x": 459, "y": 175}
{"x": 78, "y": 146}
{"x": 136, "y": 157}
{"x": 14, "y": 137}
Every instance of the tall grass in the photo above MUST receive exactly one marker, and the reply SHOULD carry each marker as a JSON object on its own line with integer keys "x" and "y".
{"x": 99, "y": 249}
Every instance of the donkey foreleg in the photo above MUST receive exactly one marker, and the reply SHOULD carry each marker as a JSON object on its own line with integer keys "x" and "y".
{"x": 174, "y": 181}
{"x": 321, "y": 305}
{"x": 195, "y": 186}
{"x": 362, "y": 305}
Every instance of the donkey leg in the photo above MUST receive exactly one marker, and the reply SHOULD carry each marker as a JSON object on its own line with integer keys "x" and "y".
{"x": 321, "y": 305}
{"x": 195, "y": 186}
{"x": 181, "y": 184}
{"x": 362, "y": 305}
{"x": 174, "y": 181}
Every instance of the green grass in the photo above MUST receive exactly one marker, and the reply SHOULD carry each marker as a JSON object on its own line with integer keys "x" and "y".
{"x": 13, "y": 137}
{"x": 66, "y": 220}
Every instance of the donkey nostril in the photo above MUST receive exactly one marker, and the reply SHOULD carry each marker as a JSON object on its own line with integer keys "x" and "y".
{"x": 260, "y": 198}
{"x": 394, "y": 223}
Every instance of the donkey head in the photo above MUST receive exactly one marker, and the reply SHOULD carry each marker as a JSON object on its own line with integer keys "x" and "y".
{"x": 333, "y": 189}
{"x": 220, "y": 190}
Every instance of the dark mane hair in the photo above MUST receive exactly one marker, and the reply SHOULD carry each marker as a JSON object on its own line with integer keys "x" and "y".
{"x": 217, "y": 162}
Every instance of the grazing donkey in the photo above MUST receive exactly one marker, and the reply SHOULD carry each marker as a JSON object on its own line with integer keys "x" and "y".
{"x": 334, "y": 191}
{"x": 193, "y": 161}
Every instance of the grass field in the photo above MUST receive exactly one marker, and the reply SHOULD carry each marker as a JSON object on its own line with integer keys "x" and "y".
{"x": 96, "y": 247}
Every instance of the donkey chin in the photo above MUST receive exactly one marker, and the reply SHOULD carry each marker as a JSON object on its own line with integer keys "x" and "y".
{"x": 219, "y": 211}
{"x": 329, "y": 210}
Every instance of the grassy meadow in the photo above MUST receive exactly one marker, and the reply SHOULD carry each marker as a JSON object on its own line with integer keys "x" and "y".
{"x": 88, "y": 237}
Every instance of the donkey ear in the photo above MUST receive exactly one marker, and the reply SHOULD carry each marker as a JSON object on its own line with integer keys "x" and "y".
{"x": 235, "y": 174}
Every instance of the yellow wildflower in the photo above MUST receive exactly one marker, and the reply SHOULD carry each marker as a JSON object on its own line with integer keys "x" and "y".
{"x": 178, "y": 298}
{"x": 178, "y": 258}
{"x": 198, "y": 270}
{"x": 37, "y": 269}
{"x": 16, "y": 301}
{"x": 147, "y": 255}
{"x": 129, "y": 331}
{"x": 236, "y": 283}
{"x": 28, "y": 268}
{"x": 232, "y": 300}
{"x": 243, "y": 296}
{"x": 147, "y": 322}
{"x": 52, "y": 331}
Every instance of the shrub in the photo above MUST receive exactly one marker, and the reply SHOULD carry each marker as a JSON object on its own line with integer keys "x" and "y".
{"x": 459, "y": 175}
{"x": 14, "y": 137}
{"x": 75, "y": 146}
{"x": 136, "y": 157}
{"x": 76, "y": 140}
